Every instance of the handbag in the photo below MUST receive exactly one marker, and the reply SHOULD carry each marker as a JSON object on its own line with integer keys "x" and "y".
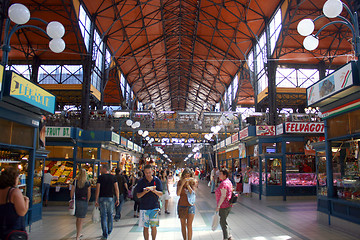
{"x": 215, "y": 221}
{"x": 96, "y": 215}
{"x": 17, "y": 235}
{"x": 72, "y": 204}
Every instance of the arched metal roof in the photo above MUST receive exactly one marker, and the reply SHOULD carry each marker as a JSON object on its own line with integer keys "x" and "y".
{"x": 180, "y": 54}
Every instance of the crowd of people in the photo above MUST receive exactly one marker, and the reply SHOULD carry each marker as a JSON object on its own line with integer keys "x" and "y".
{"x": 148, "y": 188}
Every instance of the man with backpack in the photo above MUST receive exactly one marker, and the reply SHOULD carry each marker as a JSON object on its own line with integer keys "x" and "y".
{"x": 123, "y": 189}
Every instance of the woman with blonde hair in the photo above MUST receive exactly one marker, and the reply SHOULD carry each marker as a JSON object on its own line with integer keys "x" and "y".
{"x": 186, "y": 205}
{"x": 82, "y": 190}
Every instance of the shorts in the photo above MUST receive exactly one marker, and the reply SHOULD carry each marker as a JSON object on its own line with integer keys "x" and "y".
{"x": 165, "y": 196}
{"x": 149, "y": 218}
{"x": 81, "y": 208}
{"x": 184, "y": 211}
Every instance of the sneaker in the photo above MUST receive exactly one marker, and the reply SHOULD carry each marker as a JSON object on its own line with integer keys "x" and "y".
{"x": 167, "y": 212}
{"x": 159, "y": 213}
{"x": 135, "y": 216}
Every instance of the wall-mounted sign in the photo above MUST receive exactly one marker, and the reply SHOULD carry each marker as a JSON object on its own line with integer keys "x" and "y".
{"x": 244, "y": 133}
{"x": 279, "y": 129}
{"x": 30, "y": 93}
{"x": 341, "y": 79}
{"x": 235, "y": 137}
{"x": 304, "y": 127}
{"x": 123, "y": 142}
{"x": 228, "y": 141}
{"x": 265, "y": 130}
{"x": 222, "y": 144}
{"x": 130, "y": 145}
{"x": 58, "y": 132}
{"x": 115, "y": 138}
{"x": 1, "y": 76}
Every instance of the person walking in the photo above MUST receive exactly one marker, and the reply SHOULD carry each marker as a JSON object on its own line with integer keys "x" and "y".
{"x": 135, "y": 198}
{"x": 13, "y": 205}
{"x": 123, "y": 190}
{"x": 186, "y": 205}
{"x": 213, "y": 179}
{"x": 166, "y": 192}
{"x": 149, "y": 189}
{"x": 47, "y": 181}
{"x": 247, "y": 181}
{"x": 82, "y": 190}
{"x": 104, "y": 193}
{"x": 223, "y": 206}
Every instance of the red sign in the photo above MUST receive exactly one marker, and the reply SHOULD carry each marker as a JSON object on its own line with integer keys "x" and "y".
{"x": 244, "y": 133}
{"x": 265, "y": 130}
{"x": 235, "y": 137}
{"x": 304, "y": 127}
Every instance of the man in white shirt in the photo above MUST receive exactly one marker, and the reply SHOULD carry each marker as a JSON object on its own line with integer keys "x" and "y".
{"x": 47, "y": 180}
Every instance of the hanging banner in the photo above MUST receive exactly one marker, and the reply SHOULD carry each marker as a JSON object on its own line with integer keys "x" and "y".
{"x": 304, "y": 127}
{"x": 242, "y": 150}
{"x": 228, "y": 141}
{"x": 123, "y": 142}
{"x": 265, "y": 130}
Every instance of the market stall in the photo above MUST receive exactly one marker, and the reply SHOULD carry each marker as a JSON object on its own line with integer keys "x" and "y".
{"x": 339, "y": 189}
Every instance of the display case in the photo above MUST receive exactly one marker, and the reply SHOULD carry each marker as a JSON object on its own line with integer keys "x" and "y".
{"x": 348, "y": 188}
{"x": 300, "y": 179}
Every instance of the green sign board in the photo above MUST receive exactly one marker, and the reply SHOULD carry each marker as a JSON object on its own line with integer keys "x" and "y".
{"x": 58, "y": 132}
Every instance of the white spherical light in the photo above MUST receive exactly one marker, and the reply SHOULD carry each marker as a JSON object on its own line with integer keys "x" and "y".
{"x": 305, "y": 27}
{"x": 55, "y": 29}
{"x": 137, "y": 124}
{"x": 310, "y": 43}
{"x": 18, "y": 13}
{"x": 57, "y": 45}
{"x": 147, "y": 138}
{"x": 145, "y": 133}
{"x": 129, "y": 122}
{"x": 140, "y": 132}
{"x": 332, "y": 8}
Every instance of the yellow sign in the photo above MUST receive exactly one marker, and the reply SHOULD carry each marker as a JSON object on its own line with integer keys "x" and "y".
{"x": 1, "y": 76}
{"x": 30, "y": 93}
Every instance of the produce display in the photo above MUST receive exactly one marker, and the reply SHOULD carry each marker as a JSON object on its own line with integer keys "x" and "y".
{"x": 62, "y": 172}
{"x": 348, "y": 188}
{"x": 301, "y": 179}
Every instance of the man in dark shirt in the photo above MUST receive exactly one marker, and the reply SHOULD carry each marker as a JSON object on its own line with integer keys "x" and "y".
{"x": 105, "y": 186}
{"x": 149, "y": 189}
{"x": 123, "y": 189}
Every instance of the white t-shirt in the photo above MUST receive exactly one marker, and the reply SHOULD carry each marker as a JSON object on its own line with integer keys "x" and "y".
{"x": 47, "y": 178}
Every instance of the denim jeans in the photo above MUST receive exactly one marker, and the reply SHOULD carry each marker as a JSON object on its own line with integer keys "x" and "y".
{"x": 213, "y": 186}
{"x": 106, "y": 212}
{"x": 119, "y": 207}
{"x": 46, "y": 191}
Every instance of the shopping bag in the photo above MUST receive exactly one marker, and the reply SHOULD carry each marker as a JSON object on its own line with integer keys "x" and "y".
{"x": 72, "y": 207}
{"x": 215, "y": 221}
{"x": 96, "y": 215}
{"x": 209, "y": 183}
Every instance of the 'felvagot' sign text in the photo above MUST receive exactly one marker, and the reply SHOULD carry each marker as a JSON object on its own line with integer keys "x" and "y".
{"x": 58, "y": 132}
{"x": 30, "y": 93}
{"x": 304, "y": 127}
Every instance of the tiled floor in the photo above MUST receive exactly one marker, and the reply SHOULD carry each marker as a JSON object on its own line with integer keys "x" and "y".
{"x": 250, "y": 219}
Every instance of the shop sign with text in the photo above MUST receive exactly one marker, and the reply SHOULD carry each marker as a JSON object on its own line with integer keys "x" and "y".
{"x": 228, "y": 141}
{"x": 280, "y": 129}
{"x": 1, "y": 76}
{"x": 115, "y": 138}
{"x": 244, "y": 133}
{"x": 58, "y": 132}
{"x": 30, "y": 93}
{"x": 235, "y": 137}
{"x": 304, "y": 127}
{"x": 265, "y": 130}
